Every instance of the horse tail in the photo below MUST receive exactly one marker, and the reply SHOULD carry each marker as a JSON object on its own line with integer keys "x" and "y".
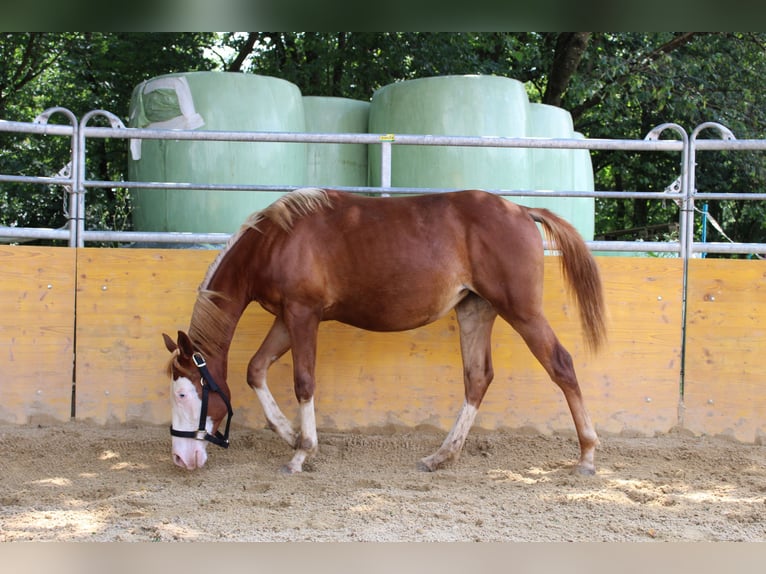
{"x": 580, "y": 272}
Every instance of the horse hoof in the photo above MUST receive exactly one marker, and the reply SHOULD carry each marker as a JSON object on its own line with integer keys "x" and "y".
{"x": 289, "y": 469}
{"x": 425, "y": 466}
{"x": 584, "y": 470}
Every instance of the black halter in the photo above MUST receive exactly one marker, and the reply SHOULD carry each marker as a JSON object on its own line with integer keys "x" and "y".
{"x": 208, "y": 384}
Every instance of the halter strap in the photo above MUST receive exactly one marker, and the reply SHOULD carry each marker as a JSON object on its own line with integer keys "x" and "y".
{"x": 208, "y": 384}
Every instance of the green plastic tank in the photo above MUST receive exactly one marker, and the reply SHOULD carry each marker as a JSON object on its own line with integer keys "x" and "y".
{"x": 585, "y": 218}
{"x": 456, "y": 106}
{"x": 481, "y": 106}
{"x": 212, "y": 101}
{"x": 559, "y": 169}
{"x": 336, "y": 164}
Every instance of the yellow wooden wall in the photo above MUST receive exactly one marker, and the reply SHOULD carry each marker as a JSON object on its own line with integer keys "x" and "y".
{"x": 36, "y": 333}
{"x": 725, "y": 382}
{"x": 127, "y": 297}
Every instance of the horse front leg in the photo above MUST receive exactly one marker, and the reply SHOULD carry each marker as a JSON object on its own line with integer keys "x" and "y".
{"x": 276, "y": 344}
{"x": 303, "y": 325}
{"x": 475, "y": 317}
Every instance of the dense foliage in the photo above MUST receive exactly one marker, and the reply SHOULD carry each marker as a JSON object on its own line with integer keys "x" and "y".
{"x": 615, "y": 85}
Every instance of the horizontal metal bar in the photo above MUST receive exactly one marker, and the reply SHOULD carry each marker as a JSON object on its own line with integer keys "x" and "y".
{"x": 187, "y": 186}
{"x": 156, "y": 237}
{"x": 221, "y": 238}
{"x": 401, "y": 139}
{"x": 377, "y": 190}
{"x": 33, "y": 233}
{"x": 37, "y": 179}
{"x": 638, "y": 246}
{"x": 34, "y": 128}
{"x": 729, "y": 145}
{"x": 540, "y": 193}
{"x": 540, "y": 143}
{"x": 698, "y": 247}
{"x": 730, "y": 196}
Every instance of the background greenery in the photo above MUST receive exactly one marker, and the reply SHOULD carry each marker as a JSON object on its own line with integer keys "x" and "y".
{"x": 616, "y": 85}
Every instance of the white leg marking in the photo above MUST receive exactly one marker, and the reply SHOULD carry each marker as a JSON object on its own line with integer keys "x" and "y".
{"x": 308, "y": 425}
{"x": 274, "y": 415}
{"x": 308, "y": 439}
{"x": 455, "y": 439}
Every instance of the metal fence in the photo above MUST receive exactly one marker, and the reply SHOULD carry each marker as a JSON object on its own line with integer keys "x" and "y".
{"x": 74, "y": 181}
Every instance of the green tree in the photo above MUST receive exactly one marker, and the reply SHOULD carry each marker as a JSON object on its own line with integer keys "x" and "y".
{"x": 82, "y": 72}
{"x": 629, "y": 83}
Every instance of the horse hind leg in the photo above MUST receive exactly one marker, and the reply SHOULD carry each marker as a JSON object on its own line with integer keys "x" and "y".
{"x": 276, "y": 344}
{"x": 542, "y": 341}
{"x": 475, "y": 317}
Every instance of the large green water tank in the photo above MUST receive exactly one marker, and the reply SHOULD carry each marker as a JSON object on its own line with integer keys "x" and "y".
{"x": 212, "y": 101}
{"x": 456, "y": 106}
{"x": 559, "y": 169}
{"x": 585, "y": 218}
{"x": 481, "y": 106}
{"x": 336, "y": 164}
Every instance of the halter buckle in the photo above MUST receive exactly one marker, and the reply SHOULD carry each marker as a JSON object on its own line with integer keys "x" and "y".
{"x": 199, "y": 360}
{"x": 201, "y": 434}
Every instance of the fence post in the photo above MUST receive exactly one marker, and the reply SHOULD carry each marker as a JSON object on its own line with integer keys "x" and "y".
{"x": 385, "y": 161}
{"x": 687, "y": 244}
{"x": 73, "y": 162}
{"x": 683, "y": 222}
{"x": 686, "y": 237}
{"x": 79, "y": 190}
{"x": 725, "y": 134}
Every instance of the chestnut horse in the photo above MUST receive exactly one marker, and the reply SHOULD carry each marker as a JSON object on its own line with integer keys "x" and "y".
{"x": 382, "y": 264}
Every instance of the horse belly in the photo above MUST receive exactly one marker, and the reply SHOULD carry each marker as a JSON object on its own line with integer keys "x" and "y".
{"x": 395, "y": 307}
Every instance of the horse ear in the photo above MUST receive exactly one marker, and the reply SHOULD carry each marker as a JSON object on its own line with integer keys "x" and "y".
{"x": 184, "y": 344}
{"x": 170, "y": 344}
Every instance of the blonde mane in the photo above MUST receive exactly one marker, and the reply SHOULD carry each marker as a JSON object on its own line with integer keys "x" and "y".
{"x": 283, "y": 212}
{"x": 210, "y": 326}
{"x": 290, "y": 206}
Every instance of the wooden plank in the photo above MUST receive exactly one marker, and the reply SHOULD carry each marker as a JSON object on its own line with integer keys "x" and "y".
{"x": 126, "y": 298}
{"x": 726, "y": 344}
{"x": 638, "y": 388}
{"x": 36, "y": 333}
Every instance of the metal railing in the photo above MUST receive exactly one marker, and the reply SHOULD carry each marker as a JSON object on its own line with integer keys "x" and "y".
{"x": 77, "y": 185}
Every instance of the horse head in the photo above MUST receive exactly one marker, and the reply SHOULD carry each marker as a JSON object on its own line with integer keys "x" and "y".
{"x": 198, "y": 404}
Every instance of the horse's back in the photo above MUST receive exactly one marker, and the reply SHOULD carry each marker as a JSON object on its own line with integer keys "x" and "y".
{"x": 407, "y": 236}
{"x": 438, "y": 215}
{"x": 401, "y": 262}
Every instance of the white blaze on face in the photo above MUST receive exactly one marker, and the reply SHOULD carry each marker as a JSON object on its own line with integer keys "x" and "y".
{"x": 188, "y": 453}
